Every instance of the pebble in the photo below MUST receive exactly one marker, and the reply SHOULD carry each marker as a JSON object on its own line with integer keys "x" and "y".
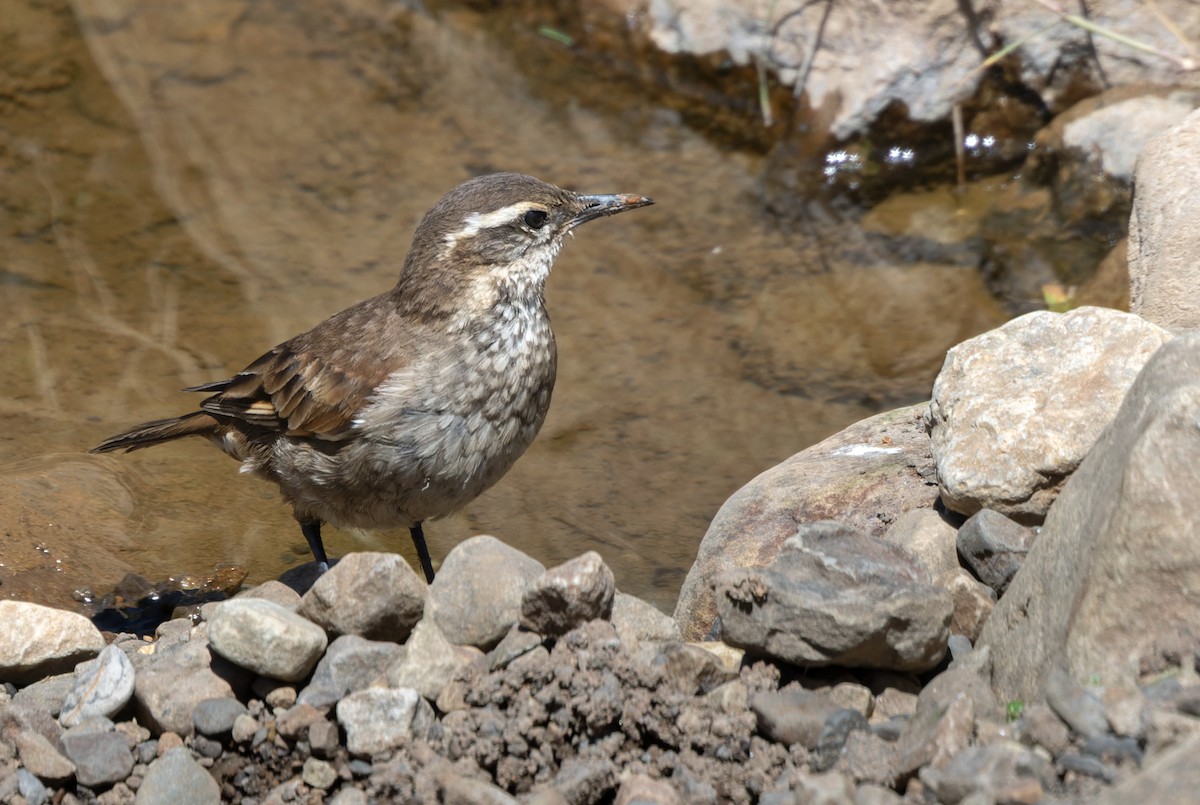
{"x": 37, "y": 641}
{"x": 102, "y": 687}
{"x": 569, "y": 595}
{"x": 215, "y": 717}
{"x": 31, "y": 788}
{"x": 266, "y": 638}
{"x": 100, "y": 758}
{"x": 318, "y": 774}
{"x": 350, "y": 663}
{"x": 428, "y": 662}
{"x": 1082, "y": 711}
{"x": 374, "y": 595}
{"x": 176, "y": 779}
{"x": 377, "y": 719}
{"x": 39, "y": 756}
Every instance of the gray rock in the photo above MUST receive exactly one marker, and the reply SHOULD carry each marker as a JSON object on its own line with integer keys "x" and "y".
{"x": 973, "y": 602}
{"x": 1081, "y": 711}
{"x": 38, "y": 641}
{"x": 944, "y": 721}
{"x": 1039, "y": 725}
{"x": 100, "y": 758}
{"x": 428, "y": 663}
{"x": 1169, "y": 778}
{"x": 1107, "y": 581}
{"x": 373, "y": 595}
{"x": 927, "y": 536}
{"x": 635, "y": 620}
{"x": 323, "y": 738}
{"x": 47, "y": 695}
{"x": 864, "y": 476}
{"x": 690, "y": 669}
{"x": 266, "y": 638}
{"x": 102, "y": 687}
{"x": 835, "y": 596}
{"x": 378, "y": 719}
{"x": 169, "y": 686}
{"x": 792, "y": 715}
{"x": 176, "y": 779}
{"x": 1163, "y": 241}
{"x": 640, "y": 789}
{"x": 573, "y": 593}
{"x": 585, "y": 780}
{"x": 31, "y": 788}
{"x": 1016, "y": 409}
{"x": 350, "y": 663}
{"x": 273, "y": 590}
{"x": 994, "y": 546}
{"x": 459, "y": 790}
{"x": 1003, "y": 771}
{"x": 39, "y": 756}
{"x": 215, "y": 717}
{"x": 476, "y": 597}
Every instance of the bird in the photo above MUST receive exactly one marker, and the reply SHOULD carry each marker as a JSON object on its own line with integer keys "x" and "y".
{"x": 408, "y": 405}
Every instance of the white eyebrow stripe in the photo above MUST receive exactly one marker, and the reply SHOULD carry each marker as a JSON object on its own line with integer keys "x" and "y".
{"x": 476, "y": 222}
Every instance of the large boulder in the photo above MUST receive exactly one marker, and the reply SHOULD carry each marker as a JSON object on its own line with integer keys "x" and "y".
{"x": 864, "y": 477}
{"x": 1108, "y": 588}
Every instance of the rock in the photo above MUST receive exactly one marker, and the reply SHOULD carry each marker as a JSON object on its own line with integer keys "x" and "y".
{"x": 244, "y": 728}
{"x": 994, "y": 546}
{"x": 791, "y": 716}
{"x": 973, "y": 602}
{"x": 1016, "y": 409}
{"x": 1040, "y": 726}
{"x": 1081, "y": 711}
{"x": 635, "y": 619}
{"x": 690, "y": 669}
{"x": 293, "y": 723}
{"x": 266, "y": 638}
{"x": 999, "y": 772}
{"x": 48, "y": 695}
{"x": 38, "y": 641}
{"x": 830, "y": 788}
{"x": 476, "y": 597}
{"x": 1163, "y": 241}
{"x": 566, "y": 596}
{"x": 927, "y": 537}
{"x": 1170, "y": 778}
{"x": 39, "y": 756}
{"x": 350, "y": 663}
{"x": 428, "y": 663}
{"x": 639, "y": 789}
{"x": 318, "y": 774}
{"x": 459, "y": 790}
{"x": 176, "y": 779}
{"x": 215, "y": 717}
{"x": 835, "y": 596}
{"x": 373, "y": 595}
{"x": 168, "y": 688}
{"x": 100, "y": 758}
{"x": 273, "y": 590}
{"x": 583, "y": 781}
{"x": 378, "y": 719}
{"x": 944, "y": 721}
{"x": 102, "y": 687}
{"x": 864, "y": 476}
{"x": 323, "y": 738}
{"x": 31, "y": 788}
{"x": 1106, "y": 583}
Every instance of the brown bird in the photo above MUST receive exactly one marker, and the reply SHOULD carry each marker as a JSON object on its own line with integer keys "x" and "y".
{"x": 407, "y": 406}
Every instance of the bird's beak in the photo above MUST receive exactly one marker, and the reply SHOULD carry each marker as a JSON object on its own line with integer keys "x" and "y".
{"x": 599, "y": 206}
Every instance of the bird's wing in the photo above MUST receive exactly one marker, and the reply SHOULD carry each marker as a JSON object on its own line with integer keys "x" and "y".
{"x": 313, "y": 385}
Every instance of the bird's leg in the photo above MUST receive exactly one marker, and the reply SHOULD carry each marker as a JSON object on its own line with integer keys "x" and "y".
{"x": 312, "y": 533}
{"x": 418, "y": 537}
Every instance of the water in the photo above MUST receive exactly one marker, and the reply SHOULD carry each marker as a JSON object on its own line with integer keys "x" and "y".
{"x": 186, "y": 185}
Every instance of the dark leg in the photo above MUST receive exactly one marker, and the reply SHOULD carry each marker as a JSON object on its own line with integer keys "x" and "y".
{"x": 422, "y": 551}
{"x": 312, "y": 533}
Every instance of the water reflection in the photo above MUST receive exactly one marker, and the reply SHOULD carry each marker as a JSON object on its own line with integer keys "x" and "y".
{"x": 188, "y": 184}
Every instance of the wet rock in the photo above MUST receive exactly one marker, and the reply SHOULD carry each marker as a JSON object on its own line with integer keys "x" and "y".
{"x": 378, "y": 719}
{"x": 100, "y": 758}
{"x": 168, "y": 688}
{"x": 1163, "y": 240}
{"x": 1081, "y": 711}
{"x": 999, "y": 772}
{"x": 792, "y": 716}
{"x": 927, "y": 536}
{"x": 176, "y": 779}
{"x": 350, "y": 663}
{"x": 835, "y": 596}
{"x": 215, "y": 717}
{"x": 1016, "y": 409}
{"x": 639, "y": 789}
{"x": 865, "y": 476}
{"x": 993, "y": 547}
{"x": 102, "y": 687}
{"x": 37, "y": 641}
{"x": 428, "y": 663}
{"x": 635, "y": 619}
{"x": 39, "y": 756}
{"x": 476, "y": 597}
{"x": 266, "y": 638}
{"x": 566, "y": 596}
{"x": 973, "y": 602}
{"x": 1121, "y": 527}
{"x": 373, "y": 595}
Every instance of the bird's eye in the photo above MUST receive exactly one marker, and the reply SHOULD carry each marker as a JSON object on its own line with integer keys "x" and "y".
{"x": 535, "y": 219}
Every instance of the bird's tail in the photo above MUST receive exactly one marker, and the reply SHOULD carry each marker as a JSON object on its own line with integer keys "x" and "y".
{"x": 158, "y": 431}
